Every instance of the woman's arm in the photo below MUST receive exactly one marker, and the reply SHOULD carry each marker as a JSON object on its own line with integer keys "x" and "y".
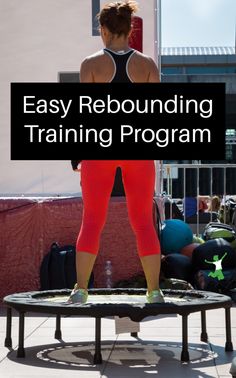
{"x": 153, "y": 72}
{"x": 86, "y": 72}
{"x": 86, "y": 76}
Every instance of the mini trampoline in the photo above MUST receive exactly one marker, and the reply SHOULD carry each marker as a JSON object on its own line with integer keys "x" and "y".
{"x": 117, "y": 302}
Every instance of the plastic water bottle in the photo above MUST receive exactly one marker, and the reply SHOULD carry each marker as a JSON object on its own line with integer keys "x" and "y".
{"x": 108, "y": 273}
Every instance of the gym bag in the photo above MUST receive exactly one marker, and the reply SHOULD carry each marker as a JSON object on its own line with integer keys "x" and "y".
{"x": 202, "y": 281}
{"x": 58, "y": 268}
{"x": 216, "y": 230}
{"x": 208, "y": 250}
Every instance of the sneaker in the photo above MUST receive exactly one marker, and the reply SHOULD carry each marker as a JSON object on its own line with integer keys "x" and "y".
{"x": 155, "y": 296}
{"x": 78, "y": 295}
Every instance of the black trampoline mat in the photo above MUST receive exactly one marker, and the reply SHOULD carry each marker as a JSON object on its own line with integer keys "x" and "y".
{"x": 113, "y": 299}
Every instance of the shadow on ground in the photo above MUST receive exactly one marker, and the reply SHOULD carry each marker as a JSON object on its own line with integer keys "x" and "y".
{"x": 141, "y": 358}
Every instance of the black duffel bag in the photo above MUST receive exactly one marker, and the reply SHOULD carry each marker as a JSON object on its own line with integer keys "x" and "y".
{"x": 202, "y": 281}
{"x": 206, "y": 251}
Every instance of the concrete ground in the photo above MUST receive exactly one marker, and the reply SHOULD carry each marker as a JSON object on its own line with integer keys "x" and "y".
{"x": 156, "y": 351}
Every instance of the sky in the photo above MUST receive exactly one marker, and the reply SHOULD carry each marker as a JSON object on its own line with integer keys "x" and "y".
{"x": 198, "y": 23}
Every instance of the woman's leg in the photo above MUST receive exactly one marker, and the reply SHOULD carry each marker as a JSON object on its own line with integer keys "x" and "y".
{"x": 97, "y": 178}
{"x": 139, "y": 181}
{"x": 151, "y": 267}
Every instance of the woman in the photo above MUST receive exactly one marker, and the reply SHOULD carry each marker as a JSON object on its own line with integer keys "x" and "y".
{"x": 117, "y": 62}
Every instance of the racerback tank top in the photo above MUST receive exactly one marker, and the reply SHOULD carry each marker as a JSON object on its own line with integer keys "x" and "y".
{"x": 121, "y": 61}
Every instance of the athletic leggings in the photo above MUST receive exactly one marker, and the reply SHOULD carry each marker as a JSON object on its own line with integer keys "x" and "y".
{"x": 97, "y": 179}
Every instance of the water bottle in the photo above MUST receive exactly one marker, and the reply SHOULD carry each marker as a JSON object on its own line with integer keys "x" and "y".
{"x": 108, "y": 273}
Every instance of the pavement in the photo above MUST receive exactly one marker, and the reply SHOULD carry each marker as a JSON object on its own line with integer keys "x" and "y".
{"x": 155, "y": 352}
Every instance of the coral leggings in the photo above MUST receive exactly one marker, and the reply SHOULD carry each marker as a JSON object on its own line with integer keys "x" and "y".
{"x": 97, "y": 179}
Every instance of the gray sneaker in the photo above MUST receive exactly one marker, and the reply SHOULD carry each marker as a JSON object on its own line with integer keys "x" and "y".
{"x": 155, "y": 296}
{"x": 78, "y": 295}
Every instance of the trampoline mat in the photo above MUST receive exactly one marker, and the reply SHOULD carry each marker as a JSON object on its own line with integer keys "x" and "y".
{"x": 114, "y": 299}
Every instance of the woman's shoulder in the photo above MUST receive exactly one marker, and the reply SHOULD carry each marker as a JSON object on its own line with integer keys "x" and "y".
{"x": 143, "y": 68}
{"x": 144, "y": 59}
{"x": 141, "y": 55}
{"x": 95, "y": 56}
{"x": 94, "y": 60}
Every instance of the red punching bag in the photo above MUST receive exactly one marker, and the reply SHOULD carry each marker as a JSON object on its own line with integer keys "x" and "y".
{"x": 136, "y": 37}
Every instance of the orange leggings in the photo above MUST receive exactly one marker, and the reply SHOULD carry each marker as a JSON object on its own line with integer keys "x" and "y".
{"x": 97, "y": 179}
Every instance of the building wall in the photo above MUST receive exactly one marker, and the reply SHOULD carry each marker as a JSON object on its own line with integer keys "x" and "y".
{"x": 38, "y": 39}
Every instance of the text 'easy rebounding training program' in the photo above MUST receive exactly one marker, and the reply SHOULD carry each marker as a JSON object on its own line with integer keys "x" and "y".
{"x": 116, "y": 121}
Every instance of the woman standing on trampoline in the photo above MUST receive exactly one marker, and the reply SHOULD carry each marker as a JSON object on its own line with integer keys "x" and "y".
{"x": 117, "y": 62}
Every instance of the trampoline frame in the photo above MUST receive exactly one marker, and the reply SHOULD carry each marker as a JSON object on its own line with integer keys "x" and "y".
{"x": 23, "y": 302}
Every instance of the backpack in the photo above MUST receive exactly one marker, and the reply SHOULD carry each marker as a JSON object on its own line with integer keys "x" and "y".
{"x": 215, "y": 230}
{"x": 58, "y": 269}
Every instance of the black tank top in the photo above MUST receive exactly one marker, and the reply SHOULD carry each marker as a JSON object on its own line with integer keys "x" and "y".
{"x": 121, "y": 61}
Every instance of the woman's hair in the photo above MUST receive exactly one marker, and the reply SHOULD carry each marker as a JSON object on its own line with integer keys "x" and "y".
{"x": 117, "y": 16}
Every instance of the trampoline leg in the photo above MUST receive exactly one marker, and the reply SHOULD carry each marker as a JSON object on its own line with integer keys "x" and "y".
{"x": 97, "y": 359}
{"x": 21, "y": 350}
{"x": 8, "y": 340}
{"x": 58, "y": 327}
{"x": 185, "y": 353}
{"x": 228, "y": 344}
{"x": 204, "y": 336}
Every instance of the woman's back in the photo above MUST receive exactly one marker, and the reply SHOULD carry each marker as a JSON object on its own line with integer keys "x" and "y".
{"x": 110, "y": 64}
{"x": 140, "y": 68}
